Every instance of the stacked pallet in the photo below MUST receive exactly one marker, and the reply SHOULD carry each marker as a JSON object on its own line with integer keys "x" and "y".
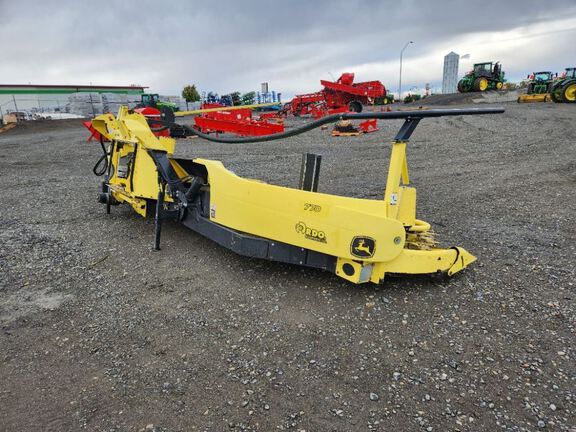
{"x": 85, "y": 104}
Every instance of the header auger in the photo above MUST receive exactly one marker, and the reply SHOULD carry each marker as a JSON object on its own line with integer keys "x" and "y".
{"x": 360, "y": 240}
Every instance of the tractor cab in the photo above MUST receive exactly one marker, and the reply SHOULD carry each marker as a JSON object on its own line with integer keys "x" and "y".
{"x": 483, "y": 69}
{"x": 541, "y": 76}
{"x": 570, "y": 73}
{"x": 486, "y": 69}
{"x": 150, "y": 100}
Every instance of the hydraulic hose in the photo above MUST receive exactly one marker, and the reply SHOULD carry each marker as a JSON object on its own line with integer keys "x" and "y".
{"x": 101, "y": 165}
{"x": 389, "y": 115}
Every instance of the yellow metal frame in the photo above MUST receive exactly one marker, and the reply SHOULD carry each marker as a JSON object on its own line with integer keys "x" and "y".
{"x": 367, "y": 237}
{"x": 530, "y": 98}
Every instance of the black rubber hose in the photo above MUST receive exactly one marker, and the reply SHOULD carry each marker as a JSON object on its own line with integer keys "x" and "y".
{"x": 159, "y": 129}
{"x": 100, "y": 169}
{"x": 389, "y": 115}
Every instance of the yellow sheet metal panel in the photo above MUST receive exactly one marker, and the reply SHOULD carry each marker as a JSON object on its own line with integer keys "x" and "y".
{"x": 139, "y": 205}
{"x": 397, "y": 174}
{"x": 407, "y": 206}
{"x": 339, "y": 226}
{"x": 353, "y": 271}
{"x": 402, "y": 205}
{"x": 425, "y": 262}
{"x": 463, "y": 260}
{"x": 145, "y": 176}
{"x": 141, "y": 172}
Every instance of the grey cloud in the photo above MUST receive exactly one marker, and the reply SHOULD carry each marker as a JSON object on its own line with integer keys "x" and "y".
{"x": 229, "y": 44}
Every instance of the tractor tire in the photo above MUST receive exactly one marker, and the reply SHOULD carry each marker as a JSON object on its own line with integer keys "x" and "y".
{"x": 499, "y": 85}
{"x": 554, "y": 96}
{"x": 355, "y": 106}
{"x": 167, "y": 114}
{"x": 569, "y": 92}
{"x": 461, "y": 88}
{"x": 480, "y": 84}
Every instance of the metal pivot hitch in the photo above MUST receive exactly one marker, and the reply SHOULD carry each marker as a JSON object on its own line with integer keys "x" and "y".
{"x": 360, "y": 240}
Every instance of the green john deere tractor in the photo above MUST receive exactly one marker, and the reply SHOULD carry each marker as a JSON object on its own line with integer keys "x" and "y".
{"x": 484, "y": 76}
{"x": 564, "y": 90}
{"x": 153, "y": 100}
{"x": 384, "y": 100}
{"x": 539, "y": 87}
{"x": 540, "y": 82}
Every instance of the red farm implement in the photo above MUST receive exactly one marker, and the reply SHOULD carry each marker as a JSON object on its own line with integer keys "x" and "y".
{"x": 347, "y": 128}
{"x": 343, "y": 93}
{"x": 238, "y": 122}
{"x": 369, "y": 126}
{"x": 272, "y": 117}
{"x": 321, "y": 110}
{"x": 208, "y": 105}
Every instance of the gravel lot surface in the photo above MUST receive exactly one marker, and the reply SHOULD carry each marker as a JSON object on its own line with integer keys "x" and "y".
{"x": 99, "y": 332}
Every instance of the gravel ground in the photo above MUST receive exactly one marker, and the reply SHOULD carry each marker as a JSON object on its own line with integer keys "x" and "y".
{"x": 98, "y": 332}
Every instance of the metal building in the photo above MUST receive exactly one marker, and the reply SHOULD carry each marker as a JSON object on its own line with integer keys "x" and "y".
{"x": 39, "y": 98}
{"x": 450, "y": 74}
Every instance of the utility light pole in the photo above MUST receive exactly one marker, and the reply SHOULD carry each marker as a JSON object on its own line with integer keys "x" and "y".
{"x": 400, "y": 80}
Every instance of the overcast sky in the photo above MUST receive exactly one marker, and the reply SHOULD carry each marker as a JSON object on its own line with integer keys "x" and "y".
{"x": 235, "y": 45}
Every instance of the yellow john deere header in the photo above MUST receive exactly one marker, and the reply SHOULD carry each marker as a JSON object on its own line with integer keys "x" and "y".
{"x": 358, "y": 239}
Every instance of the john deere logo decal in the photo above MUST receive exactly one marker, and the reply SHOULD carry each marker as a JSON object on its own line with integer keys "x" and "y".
{"x": 311, "y": 233}
{"x": 363, "y": 247}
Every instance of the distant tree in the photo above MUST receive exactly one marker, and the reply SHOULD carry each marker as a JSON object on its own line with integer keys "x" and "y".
{"x": 190, "y": 94}
{"x": 248, "y": 98}
{"x": 235, "y": 98}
